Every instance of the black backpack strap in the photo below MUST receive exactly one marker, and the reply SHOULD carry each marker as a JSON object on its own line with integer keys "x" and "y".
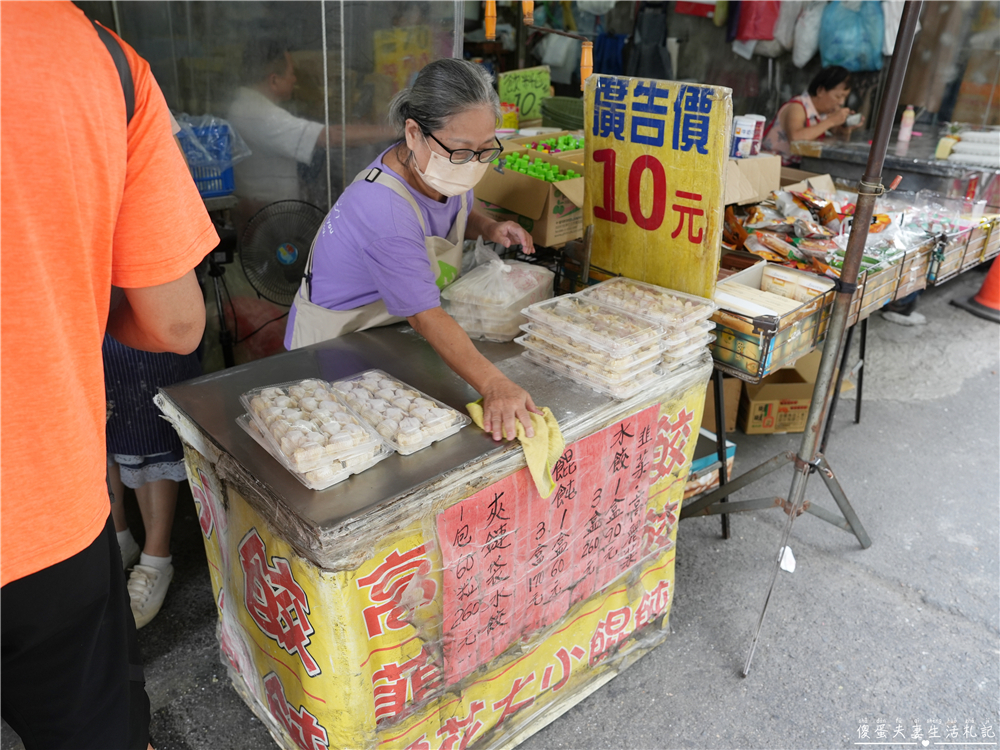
{"x": 124, "y": 71}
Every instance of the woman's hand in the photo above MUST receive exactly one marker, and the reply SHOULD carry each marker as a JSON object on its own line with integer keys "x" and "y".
{"x": 509, "y": 233}
{"x": 839, "y": 116}
{"x": 504, "y": 404}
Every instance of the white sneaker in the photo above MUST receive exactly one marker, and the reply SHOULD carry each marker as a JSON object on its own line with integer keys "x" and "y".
{"x": 130, "y": 553}
{"x": 913, "y": 319}
{"x": 147, "y": 586}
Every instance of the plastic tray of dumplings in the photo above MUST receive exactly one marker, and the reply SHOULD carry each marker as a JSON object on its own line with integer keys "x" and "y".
{"x": 673, "y": 310}
{"x": 621, "y": 391}
{"x": 487, "y": 326}
{"x": 308, "y": 424}
{"x": 325, "y": 476}
{"x": 583, "y": 366}
{"x": 674, "y": 358}
{"x": 594, "y": 325}
{"x": 541, "y": 331}
{"x": 407, "y": 419}
{"x": 681, "y": 339}
{"x": 612, "y": 369}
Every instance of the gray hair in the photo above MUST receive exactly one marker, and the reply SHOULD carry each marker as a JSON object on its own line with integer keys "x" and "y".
{"x": 442, "y": 89}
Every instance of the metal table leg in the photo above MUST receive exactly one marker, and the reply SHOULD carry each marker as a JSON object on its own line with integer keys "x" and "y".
{"x": 720, "y": 443}
{"x": 860, "y": 367}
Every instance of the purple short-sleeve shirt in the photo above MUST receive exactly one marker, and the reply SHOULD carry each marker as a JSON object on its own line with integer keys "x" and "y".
{"x": 370, "y": 247}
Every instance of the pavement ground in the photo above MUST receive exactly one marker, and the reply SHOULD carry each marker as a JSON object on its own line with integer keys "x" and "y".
{"x": 903, "y": 637}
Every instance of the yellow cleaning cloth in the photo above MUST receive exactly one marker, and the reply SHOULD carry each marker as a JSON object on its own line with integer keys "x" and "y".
{"x": 541, "y": 451}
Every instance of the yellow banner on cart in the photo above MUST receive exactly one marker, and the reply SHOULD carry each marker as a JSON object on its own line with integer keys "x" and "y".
{"x": 655, "y": 176}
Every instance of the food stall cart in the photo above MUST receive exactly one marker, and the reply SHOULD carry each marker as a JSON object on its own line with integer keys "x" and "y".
{"x": 436, "y": 600}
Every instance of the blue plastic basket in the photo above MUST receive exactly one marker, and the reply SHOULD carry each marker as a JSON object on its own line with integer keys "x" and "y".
{"x": 212, "y": 180}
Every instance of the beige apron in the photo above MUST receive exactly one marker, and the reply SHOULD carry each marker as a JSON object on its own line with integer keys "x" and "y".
{"x": 314, "y": 323}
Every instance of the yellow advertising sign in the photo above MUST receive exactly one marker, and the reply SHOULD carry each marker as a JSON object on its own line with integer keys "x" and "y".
{"x": 655, "y": 173}
{"x": 401, "y": 52}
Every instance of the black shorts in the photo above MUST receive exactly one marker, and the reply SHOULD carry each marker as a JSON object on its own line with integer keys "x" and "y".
{"x": 71, "y": 672}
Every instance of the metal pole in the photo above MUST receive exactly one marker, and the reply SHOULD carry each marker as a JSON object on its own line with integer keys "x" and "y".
{"x": 868, "y": 190}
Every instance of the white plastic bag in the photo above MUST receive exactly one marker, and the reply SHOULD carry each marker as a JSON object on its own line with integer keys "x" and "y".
{"x": 784, "y": 29}
{"x": 806, "y": 43}
{"x": 487, "y": 302}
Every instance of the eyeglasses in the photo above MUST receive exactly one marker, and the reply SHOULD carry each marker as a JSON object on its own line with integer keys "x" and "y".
{"x": 465, "y": 155}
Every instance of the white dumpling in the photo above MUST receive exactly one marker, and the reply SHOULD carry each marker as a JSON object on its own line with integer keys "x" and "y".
{"x": 308, "y": 404}
{"x": 297, "y": 392}
{"x": 302, "y": 424}
{"x": 402, "y": 402}
{"x": 321, "y": 416}
{"x": 394, "y": 413}
{"x": 387, "y": 428}
{"x": 386, "y": 393}
{"x": 423, "y": 403}
{"x": 409, "y": 424}
{"x": 386, "y": 383}
{"x": 330, "y": 428}
{"x": 339, "y": 441}
{"x": 329, "y": 405}
{"x": 283, "y": 402}
{"x": 292, "y": 415}
{"x": 322, "y": 394}
{"x": 343, "y": 417}
{"x": 421, "y": 412}
{"x": 271, "y": 393}
{"x": 378, "y": 404}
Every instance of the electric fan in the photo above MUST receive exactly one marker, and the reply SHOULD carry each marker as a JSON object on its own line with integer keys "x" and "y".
{"x": 275, "y": 248}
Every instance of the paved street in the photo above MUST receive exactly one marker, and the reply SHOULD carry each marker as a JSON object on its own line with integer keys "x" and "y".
{"x": 905, "y": 633}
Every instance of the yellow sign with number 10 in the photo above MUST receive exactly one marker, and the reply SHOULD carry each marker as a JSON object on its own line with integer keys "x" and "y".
{"x": 655, "y": 176}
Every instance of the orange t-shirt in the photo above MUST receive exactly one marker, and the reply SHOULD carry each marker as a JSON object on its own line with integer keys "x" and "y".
{"x": 84, "y": 203}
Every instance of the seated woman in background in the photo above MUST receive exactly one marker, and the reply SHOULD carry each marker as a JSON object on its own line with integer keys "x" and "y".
{"x": 808, "y": 116}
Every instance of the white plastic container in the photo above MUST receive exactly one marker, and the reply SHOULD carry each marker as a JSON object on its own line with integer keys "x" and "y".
{"x": 620, "y": 391}
{"x": 670, "y": 309}
{"x": 598, "y": 326}
{"x": 487, "y": 301}
{"x": 541, "y": 331}
{"x": 308, "y": 426}
{"x": 584, "y": 367}
{"x": 324, "y": 477}
{"x": 406, "y": 419}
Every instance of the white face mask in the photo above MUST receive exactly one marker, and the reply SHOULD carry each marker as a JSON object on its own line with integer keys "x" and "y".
{"x": 450, "y": 179}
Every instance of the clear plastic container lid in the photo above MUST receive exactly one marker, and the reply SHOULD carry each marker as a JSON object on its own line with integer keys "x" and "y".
{"x": 620, "y": 391}
{"x": 308, "y": 425}
{"x": 673, "y": 310}
{"x": 585, "y": 367}
{"x": 540, "y": 332}
{"x": 324, "y": 477}
{"x": 678, "y": 339}
{"x": 607, "y": 329}
{"x": 405, "y": 418}
{"x": 683, "y": 354}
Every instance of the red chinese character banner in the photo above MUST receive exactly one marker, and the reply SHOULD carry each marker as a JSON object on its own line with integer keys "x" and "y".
{"x": 514, "y": 563}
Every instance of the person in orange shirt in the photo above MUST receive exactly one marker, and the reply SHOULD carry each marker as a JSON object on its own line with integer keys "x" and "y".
{"x": 89, "y": 198}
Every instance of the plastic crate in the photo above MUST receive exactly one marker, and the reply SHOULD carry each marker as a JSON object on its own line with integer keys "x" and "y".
{"x": 212, "y": 181}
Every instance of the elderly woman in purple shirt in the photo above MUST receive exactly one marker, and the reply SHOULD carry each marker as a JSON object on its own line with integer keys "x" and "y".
{"x": 394, "y": 238}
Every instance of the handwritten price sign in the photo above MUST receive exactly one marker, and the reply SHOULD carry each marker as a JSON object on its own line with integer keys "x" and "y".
{"x": 655, "y": 175}
{"x": 525, "y": 88}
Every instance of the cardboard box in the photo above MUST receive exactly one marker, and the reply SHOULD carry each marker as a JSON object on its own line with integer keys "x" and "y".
{"x": 822, "y": 183}
{"x": 780, "y": 402}
{"x": 706, "y": 453}
{"x": 731, "y": 390}
{"x": 751, "y": 180}
{"x": 551, "y": 211}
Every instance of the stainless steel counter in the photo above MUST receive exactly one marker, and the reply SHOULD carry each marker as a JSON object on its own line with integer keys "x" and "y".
{"x": 914, "y": 160}
{"x": 212, "y": 404}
